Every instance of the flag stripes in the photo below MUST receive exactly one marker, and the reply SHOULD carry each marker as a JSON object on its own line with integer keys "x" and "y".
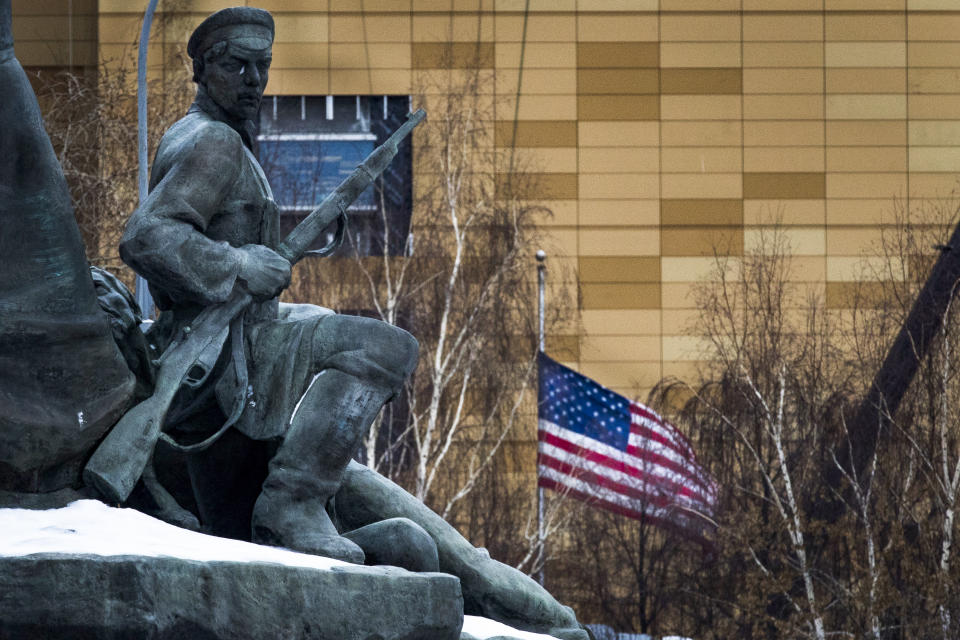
{"x": 692, "y": 527}
{"x": 619, "y": 455}
{"x": 646, "y": 421}
{"x": 630, "y": 469}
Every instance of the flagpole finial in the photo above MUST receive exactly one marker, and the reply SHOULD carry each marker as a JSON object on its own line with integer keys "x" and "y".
{"x": 541, "y": 255}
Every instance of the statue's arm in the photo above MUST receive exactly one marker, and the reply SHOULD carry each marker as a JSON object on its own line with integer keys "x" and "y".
{"x": 165, "y": 239}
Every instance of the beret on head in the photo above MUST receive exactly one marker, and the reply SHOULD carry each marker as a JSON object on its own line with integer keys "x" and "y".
{"x": 248, "y": 26}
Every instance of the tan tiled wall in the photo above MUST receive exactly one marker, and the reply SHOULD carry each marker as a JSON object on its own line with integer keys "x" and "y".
{"x": 662, "y": 132}
{"x": 55, "y": 33}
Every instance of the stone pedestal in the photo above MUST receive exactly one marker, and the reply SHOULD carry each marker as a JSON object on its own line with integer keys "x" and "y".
{"x": 90, "y": 572}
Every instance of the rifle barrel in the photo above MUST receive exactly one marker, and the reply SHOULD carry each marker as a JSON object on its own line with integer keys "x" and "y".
{"x": 335, "y": 204}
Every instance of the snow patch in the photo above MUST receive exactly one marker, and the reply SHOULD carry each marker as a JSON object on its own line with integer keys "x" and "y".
{"x": 92, "y": 528}
{"x": 89, "y": 527}
{"x": 483, "y": 628}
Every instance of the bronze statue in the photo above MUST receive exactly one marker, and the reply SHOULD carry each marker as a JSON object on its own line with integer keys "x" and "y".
{"x": 295, "y": 385}
{"x": 52, "y": 331}
{"x": 210, "y": 226}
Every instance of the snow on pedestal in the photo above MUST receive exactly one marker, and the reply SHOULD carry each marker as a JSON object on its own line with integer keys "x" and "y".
{"x": 89, "y": 527}
{"x": 87, "y": 539}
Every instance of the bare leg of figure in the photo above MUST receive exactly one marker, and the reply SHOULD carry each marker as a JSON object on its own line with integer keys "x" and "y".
{"x": 490, "y": 588}
{"x": 63, "y": 382}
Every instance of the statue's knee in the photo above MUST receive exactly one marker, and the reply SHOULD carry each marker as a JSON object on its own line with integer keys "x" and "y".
{"x": 408, "y": 350}
{"x": 399, "y": 542}
{"x": 367, "y": 348}
{"x": 392, "y": 348}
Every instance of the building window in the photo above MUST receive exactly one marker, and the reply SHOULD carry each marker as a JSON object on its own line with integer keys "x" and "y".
{"x": 307, "y": 145}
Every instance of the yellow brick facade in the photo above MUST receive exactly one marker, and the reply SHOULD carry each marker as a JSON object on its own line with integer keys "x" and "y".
{"x": 661, "y": 131}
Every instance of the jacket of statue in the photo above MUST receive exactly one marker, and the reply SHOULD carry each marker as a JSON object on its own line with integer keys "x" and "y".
{"x": 208, "y": 196}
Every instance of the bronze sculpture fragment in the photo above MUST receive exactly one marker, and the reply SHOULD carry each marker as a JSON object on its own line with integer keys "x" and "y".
{"x": 310, "y": 381}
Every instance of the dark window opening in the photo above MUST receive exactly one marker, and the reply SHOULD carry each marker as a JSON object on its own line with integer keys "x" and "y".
{"x": 307, "y": 145}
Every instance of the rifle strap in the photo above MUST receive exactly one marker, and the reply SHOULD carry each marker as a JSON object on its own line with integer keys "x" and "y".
{"x": 238, "y": 357}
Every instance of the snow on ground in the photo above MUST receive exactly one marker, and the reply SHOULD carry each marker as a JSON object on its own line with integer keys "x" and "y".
{"x": 91, "y": 527}
{"x": 485, "y": 628}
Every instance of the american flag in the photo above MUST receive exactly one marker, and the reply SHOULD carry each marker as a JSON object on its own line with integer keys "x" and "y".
{"x": 600, "y": 447}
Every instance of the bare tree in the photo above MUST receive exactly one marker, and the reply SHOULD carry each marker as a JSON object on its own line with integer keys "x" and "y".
{"x": 928, "y": 428}
{"x": 624, "y": 572}
{"x": 776, "y": 382}
{"x": 91, "y": 119}
{"x": 783, "y": 374}
{"x": 464, "y": 284}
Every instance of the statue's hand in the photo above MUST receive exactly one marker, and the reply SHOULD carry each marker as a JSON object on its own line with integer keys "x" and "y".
{"x": 263, "y": 272}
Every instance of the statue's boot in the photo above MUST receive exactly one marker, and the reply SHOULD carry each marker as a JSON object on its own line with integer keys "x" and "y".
{"x": 308, "y": 468}
{"x": 63, "y": 382}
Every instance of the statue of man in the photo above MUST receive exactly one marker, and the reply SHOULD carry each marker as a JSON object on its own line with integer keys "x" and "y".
{"x": 209, "y": 226}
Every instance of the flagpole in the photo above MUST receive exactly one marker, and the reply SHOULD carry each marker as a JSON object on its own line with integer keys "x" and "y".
{"x": 541, "y": 311}
{"x": 144, "y": 299}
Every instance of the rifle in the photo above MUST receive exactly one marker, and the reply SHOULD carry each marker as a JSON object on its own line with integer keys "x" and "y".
{"x": 120, "y": 459}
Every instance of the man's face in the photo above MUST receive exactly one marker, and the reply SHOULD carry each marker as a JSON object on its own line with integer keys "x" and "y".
{"x": 236, "y": 80}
